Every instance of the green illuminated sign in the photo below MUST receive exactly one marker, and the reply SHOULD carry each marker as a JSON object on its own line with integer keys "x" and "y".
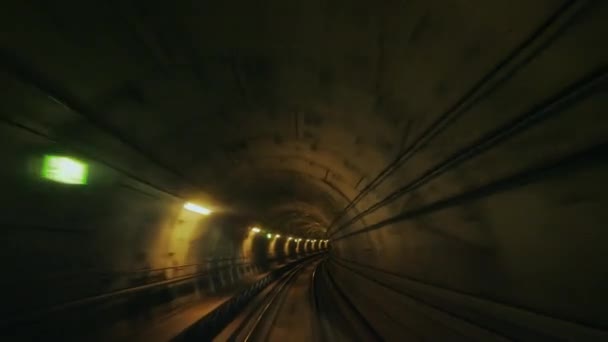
{"x": 64, "y": 170}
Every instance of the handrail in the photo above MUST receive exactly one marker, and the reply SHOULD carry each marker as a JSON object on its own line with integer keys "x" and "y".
{"x": 116, "y": 293}
{"x": 177, "y": 267}
{"x": 111, "y": 273}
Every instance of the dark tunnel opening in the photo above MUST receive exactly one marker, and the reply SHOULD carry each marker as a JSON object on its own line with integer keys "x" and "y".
{"x": 279, "y": 250}
{"x": 292, "y": 249}
{"x": 260, "y": 253}
{"x": 307, "y": 171}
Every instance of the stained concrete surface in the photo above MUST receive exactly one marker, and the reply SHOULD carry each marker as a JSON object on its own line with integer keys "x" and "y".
{"x": 457, "y": 146}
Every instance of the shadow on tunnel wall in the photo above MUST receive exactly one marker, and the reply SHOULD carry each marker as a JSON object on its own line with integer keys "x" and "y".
{"x": 291, "y": 249}
{"x": 279, "y": 250}
{"x": 259, "y": 252}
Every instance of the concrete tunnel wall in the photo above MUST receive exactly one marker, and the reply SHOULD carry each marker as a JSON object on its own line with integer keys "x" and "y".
{"x": 496, "y": 224}
{"x": 65, "y": 243}
{"x": 490, "y": 221}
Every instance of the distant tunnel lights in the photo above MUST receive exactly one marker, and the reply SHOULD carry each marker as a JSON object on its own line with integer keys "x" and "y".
{"x": 256, "y": 230}
{"x": 269, "y": 236}
{"x": 64, "y": 169}
{"x": 277, "y": 236}
{"x": 197, "y": 208}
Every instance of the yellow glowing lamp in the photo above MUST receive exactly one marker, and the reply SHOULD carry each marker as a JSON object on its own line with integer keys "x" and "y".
{"x": 269, "y": 235}
{"x": 64, "y": 169}
{"x": 277, "y": 236}
{"x": 256, "y": 230}
{"x": 197, "y": 208}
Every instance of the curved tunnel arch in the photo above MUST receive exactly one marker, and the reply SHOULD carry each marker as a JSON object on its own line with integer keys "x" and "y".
{"x": 492, "y": 135}
{"x": 331, "y": 199}
{"x": 266, "y": 146}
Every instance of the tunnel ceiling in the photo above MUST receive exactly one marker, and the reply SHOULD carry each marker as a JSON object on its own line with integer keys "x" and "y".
{"x": 282, "y": 109}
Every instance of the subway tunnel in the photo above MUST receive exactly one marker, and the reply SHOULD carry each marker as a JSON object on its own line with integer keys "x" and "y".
{"x": 304, "y": 170}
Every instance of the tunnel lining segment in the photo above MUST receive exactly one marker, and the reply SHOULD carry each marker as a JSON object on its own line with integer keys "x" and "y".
{"x": 530, "y": 47}
{"x": 588, "y": 157}
{"x": 553, "y": 107}
{"x": 445, "y": 301}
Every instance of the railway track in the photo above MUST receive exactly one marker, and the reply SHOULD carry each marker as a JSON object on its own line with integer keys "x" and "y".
{"x": 303, "y": 305}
